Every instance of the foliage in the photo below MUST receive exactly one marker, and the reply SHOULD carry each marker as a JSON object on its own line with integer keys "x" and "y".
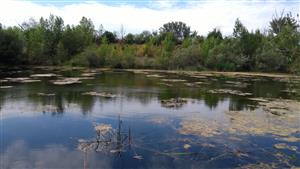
{"x": 279, "y": 23}
{"x": 179, "y": 29}
{"x": 49, "y": 42}
{"x": 11, "y": 46}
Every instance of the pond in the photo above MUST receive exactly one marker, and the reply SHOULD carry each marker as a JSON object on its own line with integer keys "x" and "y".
{"x": 101, "y": 118}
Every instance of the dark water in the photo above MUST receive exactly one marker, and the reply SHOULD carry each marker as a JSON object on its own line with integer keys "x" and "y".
{"x": 45, "y": 131}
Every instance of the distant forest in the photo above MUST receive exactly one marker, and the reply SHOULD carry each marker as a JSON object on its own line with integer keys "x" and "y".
{"x": 174, "y": 46}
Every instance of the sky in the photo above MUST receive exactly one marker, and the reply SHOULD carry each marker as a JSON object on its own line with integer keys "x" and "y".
{"x": 139, "y": 15}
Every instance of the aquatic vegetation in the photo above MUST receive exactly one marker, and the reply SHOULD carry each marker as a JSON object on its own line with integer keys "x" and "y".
{"x": 254, "y": 123}
{"x": 22, "y": 80}
{"x": 251, "y": 122}
{"x": 284, "y": 119}
{"x": 290, "y": 139}
{"x": 191, "y": 84}
{"x": 155, "y": 75}
{"x": 159, "y": 120}
{"x": 206, "y": 129}
{"x": 86, "y": 145}
{"x": 229, "y": 91}
{"x": 281, "y": 107}
{"x": 101, "y": 94}
{"x": 173, "y": 80}
{"x": 259, "y": 99}
{"x": 258, "y": 165}
{"x": 70, "y": 80}
{"x": 108, "y": 140}
{"x": 285, "y": 146}
{"x": 3, "y": 80}
{"x": 138, "y": 157}
{"x": 237, "y": 84}
{"x": 139, "y": 72}
{"x": 186, "y": 146}
{"x": 67, "y": 81}
{"x": 103, "y": 128}
{"x": 166, "y": 84}
{"x": 88, "y": 74}
{"x": 5, "y": 87}
{"x": 174, "y": 102}
{"x": 46, "y": 94}
{"x": 199, "y": 127}
{"x": 294, "y": 91}
{"x": 199, "y": 76}
{"x": 44, "y": 75}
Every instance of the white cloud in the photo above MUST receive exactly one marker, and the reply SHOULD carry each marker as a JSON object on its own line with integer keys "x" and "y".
{"x": 202, "y": 16}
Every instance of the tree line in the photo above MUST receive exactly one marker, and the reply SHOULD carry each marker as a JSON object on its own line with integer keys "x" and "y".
{"x": 174, "y": 46}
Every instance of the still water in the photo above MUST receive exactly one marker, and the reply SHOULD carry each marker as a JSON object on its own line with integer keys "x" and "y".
{"x": 125, "y": 119}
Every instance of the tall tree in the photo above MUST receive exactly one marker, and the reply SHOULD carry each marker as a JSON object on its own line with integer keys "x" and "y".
{"x": 179, "y": 29}
{"x": 215, "y": 33}
{"x": 278, "y": 23}
{"x": 11, "y": 46}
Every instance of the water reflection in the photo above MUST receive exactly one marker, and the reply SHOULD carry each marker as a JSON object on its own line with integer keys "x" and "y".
{"x": 19, "y": 155}
{"x": 207, "y": 130}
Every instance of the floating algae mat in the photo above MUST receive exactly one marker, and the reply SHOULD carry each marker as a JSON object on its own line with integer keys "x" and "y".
{"x": 101, "y": 94}
{"x": 104, "y": 118}
{"x": 174, "y": 102}
{"x": 281, "y": 121}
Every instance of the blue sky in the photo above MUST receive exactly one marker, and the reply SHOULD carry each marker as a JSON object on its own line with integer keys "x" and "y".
{"x": 139, "y": 15}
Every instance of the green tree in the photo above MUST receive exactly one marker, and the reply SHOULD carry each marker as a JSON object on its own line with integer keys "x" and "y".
{"x": 216, "y": 33}
{"x": 179, "y": 29}
{"x": 129, "y": 38}
{"x": 11, "y": 46}
{"x": 279, "y": 23}
{"x": 111, "y": 37}
{"x": 169, "y": 42}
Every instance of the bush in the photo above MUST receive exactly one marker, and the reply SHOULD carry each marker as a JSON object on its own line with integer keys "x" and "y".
{"x": 189, "y": 58}
{"x": 90, "y": 57}
{"x": 270, "y": 59}
{"x": 225, "y": 57}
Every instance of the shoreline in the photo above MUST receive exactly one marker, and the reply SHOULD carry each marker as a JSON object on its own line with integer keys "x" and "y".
{"x": 186, "y": 72}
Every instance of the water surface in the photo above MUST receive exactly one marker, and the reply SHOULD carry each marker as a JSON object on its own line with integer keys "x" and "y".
{"x": 43, "y": 124}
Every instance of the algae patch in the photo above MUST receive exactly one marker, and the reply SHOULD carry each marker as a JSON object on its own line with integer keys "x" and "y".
{"x": 199, "y": 127}
{"x": 101, "y": 94}
{"x": 22, "y": 80}
{"x": 44, "y": 75}
{"x": 285, "y": 146}
{"x": 46, "y": 94}
{"x": 279, "y": 117}
{"x": 229, "y": 91}
{"x": 155, "y": 75}
{"x": 173, "y": 80}
{"x": 5, "y": 87}
{"x": 261, "y": 121}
